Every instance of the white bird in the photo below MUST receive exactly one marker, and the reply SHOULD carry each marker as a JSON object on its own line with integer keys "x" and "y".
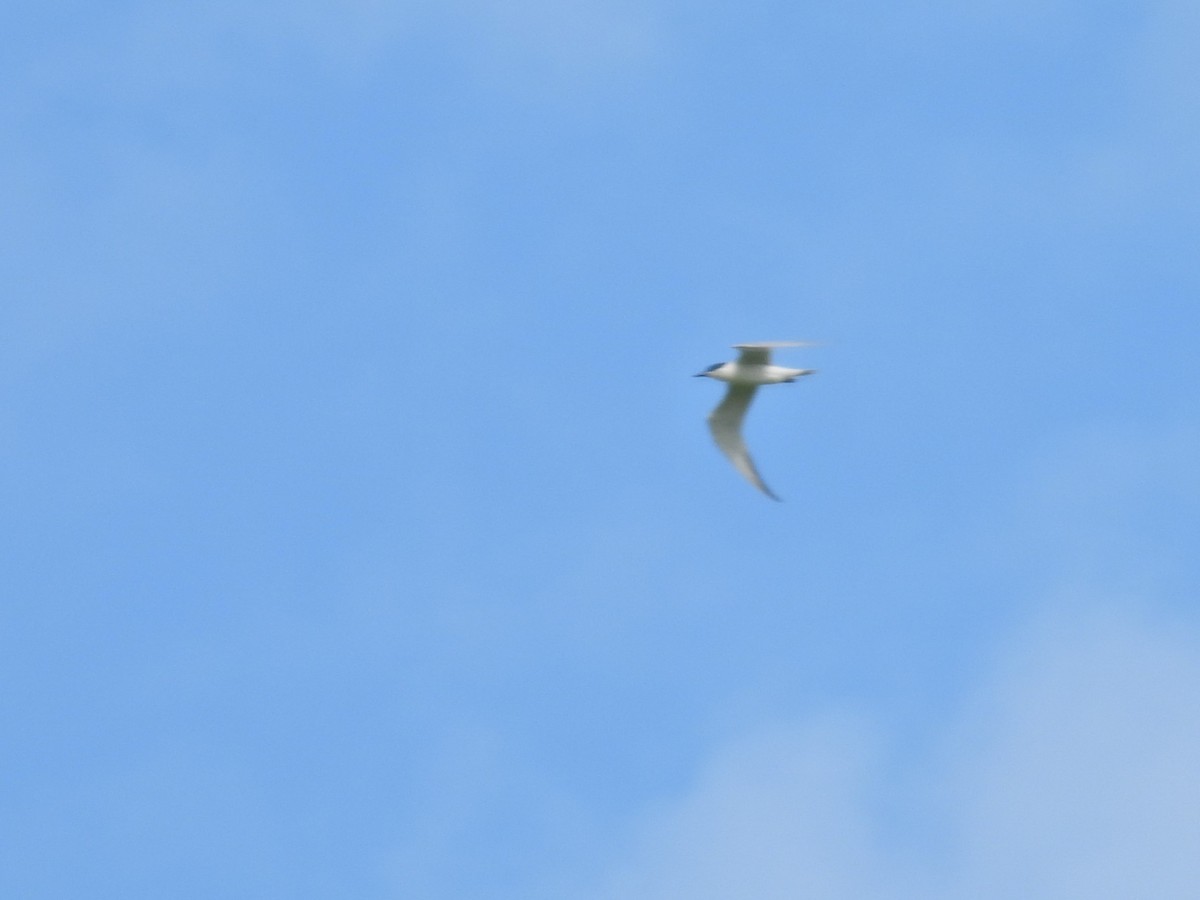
{"x": 744, "y": 375}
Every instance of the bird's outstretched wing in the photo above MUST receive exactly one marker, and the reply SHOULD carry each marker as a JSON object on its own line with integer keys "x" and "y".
{"x": 725, "y": 423}
{"x": 759, "y": 354}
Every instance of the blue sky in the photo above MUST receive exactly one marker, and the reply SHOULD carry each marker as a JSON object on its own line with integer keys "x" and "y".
{"x": 362, "y": 534}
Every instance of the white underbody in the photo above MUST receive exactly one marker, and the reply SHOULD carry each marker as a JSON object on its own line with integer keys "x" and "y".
{"x": 738, "y": 373}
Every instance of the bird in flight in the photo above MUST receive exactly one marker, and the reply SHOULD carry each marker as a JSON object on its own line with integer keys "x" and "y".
{"x": 744, "y": 375}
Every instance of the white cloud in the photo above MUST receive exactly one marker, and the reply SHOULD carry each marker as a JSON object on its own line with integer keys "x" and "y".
{"x": 1084, "y": 778}
{"x": 1076, "y": 774}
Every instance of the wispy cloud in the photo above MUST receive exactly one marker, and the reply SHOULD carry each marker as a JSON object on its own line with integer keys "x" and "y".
{"x": 774, "y": 815}
{"x": 144, "y": 128}
{"x": 154, "y": 48}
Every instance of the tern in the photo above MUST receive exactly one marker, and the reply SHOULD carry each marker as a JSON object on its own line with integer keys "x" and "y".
{"x": 744, "y": 375}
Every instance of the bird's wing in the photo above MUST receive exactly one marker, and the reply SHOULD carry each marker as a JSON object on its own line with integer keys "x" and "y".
{"x": 725, "y": 423}
{"x": 753, "y": 355}
{"x": 759, "y": 354}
